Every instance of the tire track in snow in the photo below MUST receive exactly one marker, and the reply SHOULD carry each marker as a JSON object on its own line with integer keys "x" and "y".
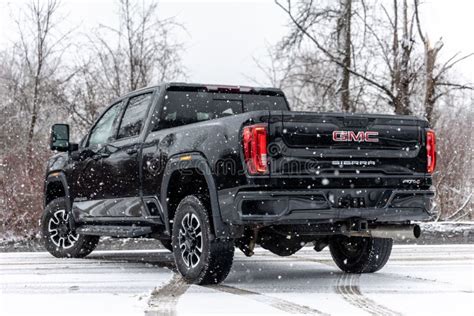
{"x": 281, "y": 304}
{"x": 347, "y": 285}
{"x": 163, "y": 301}
{"x": 330, "y": 262}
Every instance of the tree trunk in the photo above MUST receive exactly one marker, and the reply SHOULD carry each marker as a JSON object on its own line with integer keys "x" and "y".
{"x": 395, "y": 82}
{"x": 430, "y": 81}
{"x": 403, "y": 93}
{"x": 344, "y": 53}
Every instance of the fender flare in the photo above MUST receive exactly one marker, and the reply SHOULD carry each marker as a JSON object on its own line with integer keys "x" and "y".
{"x": 193, "y": 161}
{"x": 59, "y": 176}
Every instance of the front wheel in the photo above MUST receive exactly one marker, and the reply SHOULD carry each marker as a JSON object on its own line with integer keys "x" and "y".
{"x": 199, "y": 258}
{"x": 59, "y": 238}
{"x": 360, "y": 254}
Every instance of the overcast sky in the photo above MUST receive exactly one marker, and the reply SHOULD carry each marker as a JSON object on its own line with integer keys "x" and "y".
{"x": 223, "y": 36}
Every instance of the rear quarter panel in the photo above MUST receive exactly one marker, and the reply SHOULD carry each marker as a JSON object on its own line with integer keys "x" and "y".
{"x": 218, "y": 141}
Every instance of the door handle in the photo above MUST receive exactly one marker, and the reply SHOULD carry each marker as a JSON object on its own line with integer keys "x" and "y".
{"x": 167, "y": 141}
{"x": 101, "y": 155}
{"x": 132, "y": 150}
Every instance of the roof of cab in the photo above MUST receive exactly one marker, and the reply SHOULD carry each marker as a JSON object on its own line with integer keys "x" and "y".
{"x": 183, "y": 86}
{"x": 221, "y": 88}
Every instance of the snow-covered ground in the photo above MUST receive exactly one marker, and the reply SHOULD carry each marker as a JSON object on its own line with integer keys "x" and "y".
{"x": 418, "y": 280}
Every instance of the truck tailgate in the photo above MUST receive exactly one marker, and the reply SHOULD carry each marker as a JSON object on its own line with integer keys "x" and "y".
{"x": 315, "y": 144}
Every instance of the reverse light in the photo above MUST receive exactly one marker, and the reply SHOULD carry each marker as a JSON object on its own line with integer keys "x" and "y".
{"x": 430, "y": 151}
{"x": 254, "y": 138}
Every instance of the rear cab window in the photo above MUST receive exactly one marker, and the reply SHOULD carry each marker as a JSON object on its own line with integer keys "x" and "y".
{"x": 187, "y": 107}
{"x": 255, "y": 102}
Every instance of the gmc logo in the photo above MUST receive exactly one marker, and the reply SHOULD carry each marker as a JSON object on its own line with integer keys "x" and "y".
{"x": 350, "y": 136}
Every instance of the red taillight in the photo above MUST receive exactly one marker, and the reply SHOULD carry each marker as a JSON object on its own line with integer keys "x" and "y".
{"x": 430, "y": 151}
{"x": 254, "y": 139}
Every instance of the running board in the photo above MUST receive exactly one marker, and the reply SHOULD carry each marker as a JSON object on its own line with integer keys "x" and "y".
{"x": 114, "y": 231}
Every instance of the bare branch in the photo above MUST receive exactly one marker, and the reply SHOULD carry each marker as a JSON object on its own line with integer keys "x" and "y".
{"x": 331, "y": 57}
{"x": 455, "y": 85}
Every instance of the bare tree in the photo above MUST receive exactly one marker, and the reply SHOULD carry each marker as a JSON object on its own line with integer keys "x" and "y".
{"x": 145, "y": 51}
{"x": 454, "y": 176}
{"x": 38, "y": 48}
{"x": 436, "y": 84}
{"x": 140, "y": 51}
{"x": 383, "y": 67}
{"x": 303, "y": 20}
{"x": 31, "y": 81}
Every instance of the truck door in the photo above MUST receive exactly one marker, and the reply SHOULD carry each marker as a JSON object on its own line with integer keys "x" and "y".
{"x": 87, "y": 175}
{"x": 120, "y": 161}
{"x": 110, "y": 179}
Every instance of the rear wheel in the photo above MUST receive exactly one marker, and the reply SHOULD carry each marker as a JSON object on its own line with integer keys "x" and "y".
{"x": 199, "y": 258}
{"x": 360, "y": 254}
{"x": 59, "y": 238}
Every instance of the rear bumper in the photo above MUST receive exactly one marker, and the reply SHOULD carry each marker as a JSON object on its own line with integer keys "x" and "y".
{"x": 329, "y": 205}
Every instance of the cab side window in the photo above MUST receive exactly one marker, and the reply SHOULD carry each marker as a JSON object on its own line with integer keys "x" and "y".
{"x": 104, "y": 131}
{"x": 134, "y": 116}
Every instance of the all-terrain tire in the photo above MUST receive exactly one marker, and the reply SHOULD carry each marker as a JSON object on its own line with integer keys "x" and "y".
{"x": 58, "y": 237}
{"x": 360, "y": 254}
{"x": 199, "y": 257}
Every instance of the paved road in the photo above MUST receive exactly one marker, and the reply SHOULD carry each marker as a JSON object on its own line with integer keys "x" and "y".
{"x": 418, "y": 280}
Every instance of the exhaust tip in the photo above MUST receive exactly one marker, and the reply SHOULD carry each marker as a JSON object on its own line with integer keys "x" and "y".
{"x": 397, "y": 232}
{"x": 416, "y": 231}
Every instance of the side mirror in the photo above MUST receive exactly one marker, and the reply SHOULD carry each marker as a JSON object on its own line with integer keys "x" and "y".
{"x": 59, "y": 137}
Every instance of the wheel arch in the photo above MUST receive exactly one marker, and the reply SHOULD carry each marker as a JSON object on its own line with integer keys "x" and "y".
{"x": 195, "y": 166}
{"x": 55, "y": 187}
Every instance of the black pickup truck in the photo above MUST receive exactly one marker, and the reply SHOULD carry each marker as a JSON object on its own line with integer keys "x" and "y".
{"x": 208, "y": 168}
